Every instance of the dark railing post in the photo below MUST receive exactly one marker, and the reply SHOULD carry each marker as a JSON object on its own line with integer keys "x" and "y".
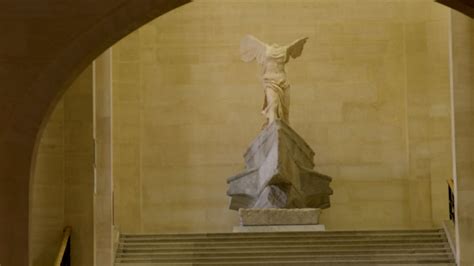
{"x": 452, "y": 216}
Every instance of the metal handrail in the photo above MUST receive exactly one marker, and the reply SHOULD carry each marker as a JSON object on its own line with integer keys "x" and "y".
{"x": 64, "y": 248}
{"x": 451, "y": 189}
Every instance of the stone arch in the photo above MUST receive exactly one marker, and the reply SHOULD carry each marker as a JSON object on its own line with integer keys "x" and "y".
{"x": 36, "y": 97}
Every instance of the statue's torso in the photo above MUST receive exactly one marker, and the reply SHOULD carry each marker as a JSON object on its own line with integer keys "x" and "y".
{"x": 274, "y": 63}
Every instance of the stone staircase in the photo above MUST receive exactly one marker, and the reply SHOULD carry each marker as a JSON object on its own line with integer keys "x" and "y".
{"x": 413, "y": 247}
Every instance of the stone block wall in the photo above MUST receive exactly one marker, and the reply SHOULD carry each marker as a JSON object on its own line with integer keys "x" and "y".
{"x": 370, "y": 94}
{"x": 428, "y": 111}
{"x": 47, "y": 191}
{"x": 63, "y": 180}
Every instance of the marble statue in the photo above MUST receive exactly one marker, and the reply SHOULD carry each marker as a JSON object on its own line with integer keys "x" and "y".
{"x": 272, "y": 58}
{"x": 279, "y": 163}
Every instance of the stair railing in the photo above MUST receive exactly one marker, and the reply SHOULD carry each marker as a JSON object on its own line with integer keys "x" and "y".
{"x": 64, "y": 254}
{"x": 452, "y": 215}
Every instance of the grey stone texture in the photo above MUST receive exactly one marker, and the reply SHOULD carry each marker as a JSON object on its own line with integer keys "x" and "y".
{"x": 305, "y": 216}
{"x": 279, "y": 173}
{"x": 279, "y": 228}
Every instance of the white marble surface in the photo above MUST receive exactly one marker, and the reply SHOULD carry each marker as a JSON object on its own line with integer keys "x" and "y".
{"x": 272, "y": 58}
{"x": 279, "y": 228}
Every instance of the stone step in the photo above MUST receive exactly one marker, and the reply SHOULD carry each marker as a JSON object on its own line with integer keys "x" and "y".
{"x": 428, "y": 257}
{"x": 302, "y": 263}
{"x": 289, "y": 237}
{"x": 283, "y": 242}
{"x": 288, "y": 253}
{"x": 280, "y": 234}
{"x": 145, "y": 253}
{"x": 247, "y": 255}
{"x": 402, "y": 247}
{"x": 398, "y": 246}
{"x": 277, "y": 241}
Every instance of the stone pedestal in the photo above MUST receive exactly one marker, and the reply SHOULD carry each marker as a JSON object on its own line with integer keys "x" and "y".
{"x": 279, "y": 228}
{"x": 305, "y": 216}
{"x": 279, "y": 220}
{"x": 279, "y": 173}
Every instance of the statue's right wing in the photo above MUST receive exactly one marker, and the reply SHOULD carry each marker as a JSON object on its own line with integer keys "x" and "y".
{"x": 296, "y": 48}
{"x": 252, "y": 48}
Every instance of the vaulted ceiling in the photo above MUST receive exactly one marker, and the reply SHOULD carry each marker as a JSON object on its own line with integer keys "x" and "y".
{"x": 464, "y": 6}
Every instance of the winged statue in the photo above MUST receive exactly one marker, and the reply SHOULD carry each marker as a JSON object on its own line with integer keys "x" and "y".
{"x": 273, "y": 59}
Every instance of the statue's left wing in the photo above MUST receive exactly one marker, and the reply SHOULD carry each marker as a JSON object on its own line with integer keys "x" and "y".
{"x": 296, "y": 48}
{"x": 252, "y": 48}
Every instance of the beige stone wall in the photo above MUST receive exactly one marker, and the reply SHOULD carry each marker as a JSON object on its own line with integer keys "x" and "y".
{"x": 103, "y": 200}
{"x": 370, "y": 95}
{"x": 428, "y": 111}
{"x": 79, "y": 174}
{"x": 47, "y": 210}
{"x": 463, "y": 89}
{"x": 62, "y": 185}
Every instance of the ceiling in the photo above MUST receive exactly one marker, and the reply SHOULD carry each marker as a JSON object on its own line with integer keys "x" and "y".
{"x": 464, "y": 6}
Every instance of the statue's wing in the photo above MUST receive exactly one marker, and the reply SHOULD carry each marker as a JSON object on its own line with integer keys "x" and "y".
{"x": 296, "y": 48}
{"x": 252, "y": 48}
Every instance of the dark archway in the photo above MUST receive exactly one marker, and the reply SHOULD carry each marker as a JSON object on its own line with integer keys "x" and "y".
{"x": 47, "y": 45}
{"x": 464, "y": 6}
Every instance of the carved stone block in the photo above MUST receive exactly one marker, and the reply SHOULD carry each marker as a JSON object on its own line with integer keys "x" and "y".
{"x": 279, "y": 173}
